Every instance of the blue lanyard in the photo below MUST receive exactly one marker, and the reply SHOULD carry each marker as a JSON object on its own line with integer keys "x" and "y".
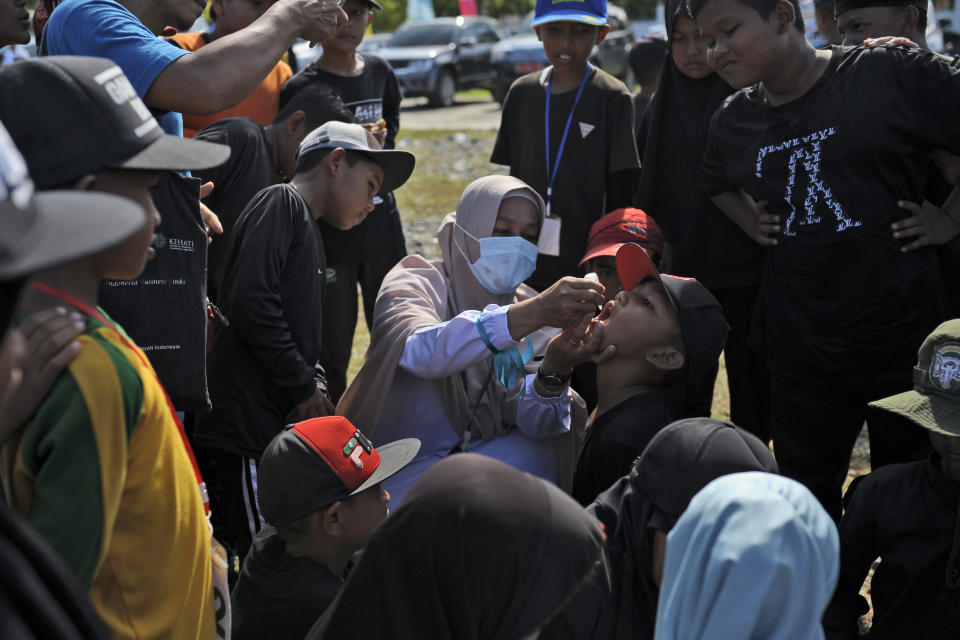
{"x": 552, "y": 175}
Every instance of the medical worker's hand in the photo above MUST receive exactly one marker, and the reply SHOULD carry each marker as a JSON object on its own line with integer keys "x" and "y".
{"x": 562, "y": 305}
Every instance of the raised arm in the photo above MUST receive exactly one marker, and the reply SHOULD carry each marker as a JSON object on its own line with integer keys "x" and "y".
{"x": 230, "y": 68}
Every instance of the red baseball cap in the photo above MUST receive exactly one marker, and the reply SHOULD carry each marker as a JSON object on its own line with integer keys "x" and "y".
{"x": 703, "y": 326}
{"x": 312, "y": 464}
{"x": 610, "y": 232}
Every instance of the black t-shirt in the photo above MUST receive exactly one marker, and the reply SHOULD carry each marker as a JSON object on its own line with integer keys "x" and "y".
{"x": 614, "y": 441}
{"x": 905, "y": 514}
{"x": 264, "y": 362}
{"x": 372, "y": 95}
{"x": 838, "y": 293}
{"x": 249, "y": 169}
{"x": 600, "y": 142}
{"x": 279, "y": 595}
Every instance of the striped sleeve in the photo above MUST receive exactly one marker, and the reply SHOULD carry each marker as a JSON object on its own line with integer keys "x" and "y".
{"x": 76, "y": 451}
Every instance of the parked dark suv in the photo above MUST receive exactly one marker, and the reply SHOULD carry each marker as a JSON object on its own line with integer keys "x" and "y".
{"x": 520, "y": 54}
{"x": 436, "y": 58}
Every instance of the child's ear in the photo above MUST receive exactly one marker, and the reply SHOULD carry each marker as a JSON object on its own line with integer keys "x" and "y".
{"x": 666, "y": 358}
{"x": 85, "y": 182}
{"x": 335, "y": 160}
{"x": 296, "y": 121}
{"x": 602, "y": 33}
{"x": 330, "y": 520}
{"x": 537, "y": 29}
{"x": 911, "y": 17}
{"x": 785, "y": 15}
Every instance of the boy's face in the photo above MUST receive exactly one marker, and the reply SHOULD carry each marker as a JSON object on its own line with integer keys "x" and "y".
{"x": 949, "y": 449}
{"x": 233, "y": 15}
{"x": 362, "y": 513}
{"x": 126, "y": 260}
{"x": 740, "y": 43}
{"x": 606, "y": 269}
{"x": 14, "y": 22}
{"x": 349, "y": 37}
{"x": 639, "y": 322}
{"x": 353, "y": 189}
{"x": 568, "y": 44}
{"x": 873, "y": 22}
{"x": 688, "y": 49}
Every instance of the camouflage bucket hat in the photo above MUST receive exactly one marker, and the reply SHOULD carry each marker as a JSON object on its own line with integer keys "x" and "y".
{"x": 934, "y": 403}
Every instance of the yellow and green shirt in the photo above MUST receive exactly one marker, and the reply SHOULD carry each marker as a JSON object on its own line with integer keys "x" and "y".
{"x": 102, "y": 474}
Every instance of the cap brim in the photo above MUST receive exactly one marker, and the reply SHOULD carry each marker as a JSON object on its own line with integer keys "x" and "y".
{"x": 72, "y": 225}
{"x": 634, "y": 266}
{"x": 929, "y": 411}
{"x": 375, "y": 4}
{"x": 569, "y": 16}
{"x": 397, "y": 168}
{"x": 177, "y": 154}
{"x": 605, "y": 250}
{"x": 393, "y": 457}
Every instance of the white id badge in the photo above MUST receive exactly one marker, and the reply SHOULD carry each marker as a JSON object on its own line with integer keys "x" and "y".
{"x": 549, "y": 244}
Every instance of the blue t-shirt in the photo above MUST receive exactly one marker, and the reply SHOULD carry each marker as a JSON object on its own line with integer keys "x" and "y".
{"x": 106, "y": 29}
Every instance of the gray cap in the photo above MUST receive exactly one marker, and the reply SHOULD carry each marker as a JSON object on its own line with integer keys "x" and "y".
{"x": 397, "y": 165}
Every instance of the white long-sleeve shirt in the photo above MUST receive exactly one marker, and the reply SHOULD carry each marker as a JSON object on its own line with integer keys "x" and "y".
{"x": 415, "y": 408}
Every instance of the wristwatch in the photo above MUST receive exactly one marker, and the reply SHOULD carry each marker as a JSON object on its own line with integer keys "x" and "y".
{"x": 552, "y": 380}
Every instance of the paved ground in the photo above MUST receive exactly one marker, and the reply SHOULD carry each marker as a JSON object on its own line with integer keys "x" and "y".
{"x": 466, "y": 113}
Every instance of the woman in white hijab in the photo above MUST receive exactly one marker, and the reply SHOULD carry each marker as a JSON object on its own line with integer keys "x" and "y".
{"x": 753, "y": 557}
{"x": 449, "y": 343}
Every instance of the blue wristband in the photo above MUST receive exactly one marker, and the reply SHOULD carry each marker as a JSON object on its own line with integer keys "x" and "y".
{"x": 508, "y": 366}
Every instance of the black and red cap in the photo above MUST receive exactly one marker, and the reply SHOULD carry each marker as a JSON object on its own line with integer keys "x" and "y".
{"x": 703, "y": 326}
{"x": 312, "y": 464}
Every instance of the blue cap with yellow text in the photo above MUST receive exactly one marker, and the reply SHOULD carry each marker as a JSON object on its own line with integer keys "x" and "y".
{"x": 587, "y": 11}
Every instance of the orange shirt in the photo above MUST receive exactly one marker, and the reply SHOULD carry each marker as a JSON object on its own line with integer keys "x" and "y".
{"x": 262, "y": 105}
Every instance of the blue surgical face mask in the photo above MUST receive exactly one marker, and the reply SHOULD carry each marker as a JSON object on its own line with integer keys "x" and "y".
{"x": 503, "y": 263}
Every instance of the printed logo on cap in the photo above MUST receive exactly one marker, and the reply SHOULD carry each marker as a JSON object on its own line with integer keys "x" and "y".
{"x": 355, "y": 447}
{"x": 15, "y": 183}
{"x": 945, "y": 367}
{"x": 116, "y": 85}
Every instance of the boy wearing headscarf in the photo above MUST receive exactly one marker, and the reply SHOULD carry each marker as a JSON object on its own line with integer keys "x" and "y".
{"x": 476, "y": 550}
{"x": 582, "y": 159}
{"x": 263, "y": 364}
{"x": 618, "y": 600}
{"x": 753, "y": 556}
{"x": 907, "y": 515}
{"x": 320, "y": 491}
{"x": 667, "y": 331}
{"x": 790, "y": 157}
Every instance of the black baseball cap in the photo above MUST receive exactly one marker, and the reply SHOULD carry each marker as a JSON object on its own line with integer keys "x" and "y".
{"x": 397, "y": 165}
{"x": 41, "y": 230}
{"x": 703, "y": 326}
{"x": 73, "y": 115}
{"x": 312, "y": 464}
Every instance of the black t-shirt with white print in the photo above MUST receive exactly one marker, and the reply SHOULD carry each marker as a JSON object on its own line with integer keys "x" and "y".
{"x": 372, "y": 95}
{"x": 838, "y": 293}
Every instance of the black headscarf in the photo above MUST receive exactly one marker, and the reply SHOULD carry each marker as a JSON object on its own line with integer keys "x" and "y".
{"x": 477, "y": 550}
{"x": 701, "y": 240}
{"x": 619, "y": 598}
